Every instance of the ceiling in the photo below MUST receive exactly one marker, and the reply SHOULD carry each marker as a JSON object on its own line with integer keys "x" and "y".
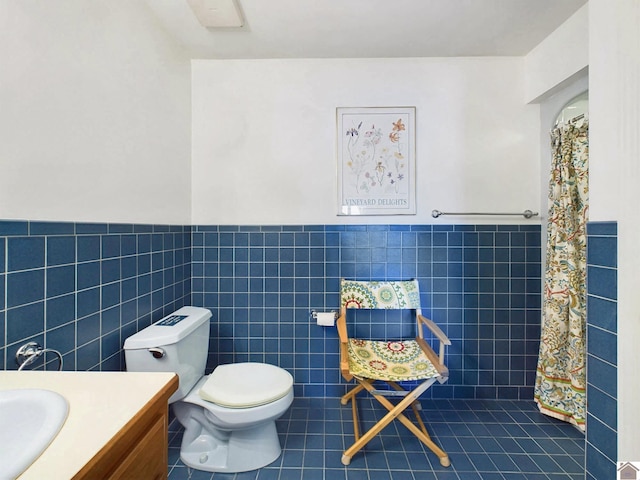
{"x": 368, "y": 28}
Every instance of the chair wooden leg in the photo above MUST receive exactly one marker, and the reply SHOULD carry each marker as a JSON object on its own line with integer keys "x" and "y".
{"x": 356, "y": 418}
{"x": 372, "y": 432}
{"x": 350, "y": 395}
{"x": 424, "y": 437}
{"x": 395, "y": 411}
{"x": 419, "y": 420}
{"x": 415, "y": 407}
{"x": 421, "y": 433}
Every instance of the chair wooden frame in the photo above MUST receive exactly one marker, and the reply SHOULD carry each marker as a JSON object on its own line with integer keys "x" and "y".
{"x": 410, "y": 396}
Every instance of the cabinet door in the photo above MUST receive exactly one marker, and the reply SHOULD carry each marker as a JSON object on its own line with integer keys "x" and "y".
{"x": 148, "y": 458}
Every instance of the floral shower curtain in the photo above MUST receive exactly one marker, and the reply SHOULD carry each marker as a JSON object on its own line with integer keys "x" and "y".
{"x": 560, "y": 376}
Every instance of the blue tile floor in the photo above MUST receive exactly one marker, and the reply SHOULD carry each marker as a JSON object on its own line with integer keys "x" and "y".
{"x": 485, "y": 439}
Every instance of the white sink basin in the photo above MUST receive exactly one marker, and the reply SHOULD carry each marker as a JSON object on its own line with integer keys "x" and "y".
{"x": 29, "y": 420}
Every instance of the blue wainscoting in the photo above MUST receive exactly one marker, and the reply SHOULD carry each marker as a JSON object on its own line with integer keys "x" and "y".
{"x": 602, "y": 387}
{"x": 82, "y": 288}
{"x": 481, "y": 283}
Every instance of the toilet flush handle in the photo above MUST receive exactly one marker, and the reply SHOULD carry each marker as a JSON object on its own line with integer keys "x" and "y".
{"x": 156, "y": 352}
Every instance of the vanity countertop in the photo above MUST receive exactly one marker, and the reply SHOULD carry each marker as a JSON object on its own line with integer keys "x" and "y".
{"x": 100, "y": 405}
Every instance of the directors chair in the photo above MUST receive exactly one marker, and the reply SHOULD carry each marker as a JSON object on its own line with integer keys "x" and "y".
{"x": 411, "y": 361}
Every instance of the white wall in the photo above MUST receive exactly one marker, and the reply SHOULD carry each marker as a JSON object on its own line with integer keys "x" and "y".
{"x": 264, "y": 137}
{"x": 559, "y": 59}
{"x": 614, "y": 150}
{"x": 94, "y": 114}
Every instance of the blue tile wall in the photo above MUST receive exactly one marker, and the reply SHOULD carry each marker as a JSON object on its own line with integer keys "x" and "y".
{"x": 82, "y": 288}
{"x": 601, "y": 442}
{"x": 480, "y": 283}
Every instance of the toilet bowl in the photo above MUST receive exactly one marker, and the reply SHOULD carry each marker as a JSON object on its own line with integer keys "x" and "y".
{"x": 225, "y": 439}
{"x": 228, "y": 416}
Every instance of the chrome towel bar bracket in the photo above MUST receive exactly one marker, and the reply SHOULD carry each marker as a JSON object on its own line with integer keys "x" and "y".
{"x": 32, "y": 351}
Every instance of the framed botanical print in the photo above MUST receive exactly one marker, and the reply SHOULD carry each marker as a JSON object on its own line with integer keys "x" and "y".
{"x": 376, "y": 160}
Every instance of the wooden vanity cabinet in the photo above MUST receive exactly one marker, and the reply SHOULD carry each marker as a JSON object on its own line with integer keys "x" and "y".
{"x": 139, "y": 450}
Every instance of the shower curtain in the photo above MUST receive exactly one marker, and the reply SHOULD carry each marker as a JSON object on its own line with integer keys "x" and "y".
{"x": 560, "y": 376}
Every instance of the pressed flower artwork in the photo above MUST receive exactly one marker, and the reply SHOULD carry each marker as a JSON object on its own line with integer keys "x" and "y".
{"x": 376, "y": 161}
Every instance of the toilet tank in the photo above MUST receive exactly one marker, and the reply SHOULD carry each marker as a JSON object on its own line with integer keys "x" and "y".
{"x": 177, "y": 343}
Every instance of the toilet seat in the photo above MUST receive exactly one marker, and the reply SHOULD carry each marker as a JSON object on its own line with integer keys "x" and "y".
{"x": 245, "y": 385}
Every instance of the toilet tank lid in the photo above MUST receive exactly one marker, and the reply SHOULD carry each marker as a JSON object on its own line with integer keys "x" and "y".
{"x": 169, "y": 329}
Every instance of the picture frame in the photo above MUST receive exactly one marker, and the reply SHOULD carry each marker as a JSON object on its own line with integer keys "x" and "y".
{"x": 376, "y": 160}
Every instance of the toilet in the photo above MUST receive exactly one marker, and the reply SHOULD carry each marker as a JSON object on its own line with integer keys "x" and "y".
{"x": 228, "y": 416}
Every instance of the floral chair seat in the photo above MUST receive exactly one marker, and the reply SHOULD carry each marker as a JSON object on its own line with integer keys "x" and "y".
{"x": 395, "y": 361}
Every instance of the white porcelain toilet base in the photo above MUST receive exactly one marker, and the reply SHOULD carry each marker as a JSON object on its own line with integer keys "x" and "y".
{"x": 239, "y": 452}
{"x": 220, "y": 439}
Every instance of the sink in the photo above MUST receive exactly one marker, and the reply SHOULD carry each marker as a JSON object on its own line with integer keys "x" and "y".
{"x": 30, "y": 418}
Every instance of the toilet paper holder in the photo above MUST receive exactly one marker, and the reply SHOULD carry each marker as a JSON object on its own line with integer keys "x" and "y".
{"x": 314, "y": 314}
